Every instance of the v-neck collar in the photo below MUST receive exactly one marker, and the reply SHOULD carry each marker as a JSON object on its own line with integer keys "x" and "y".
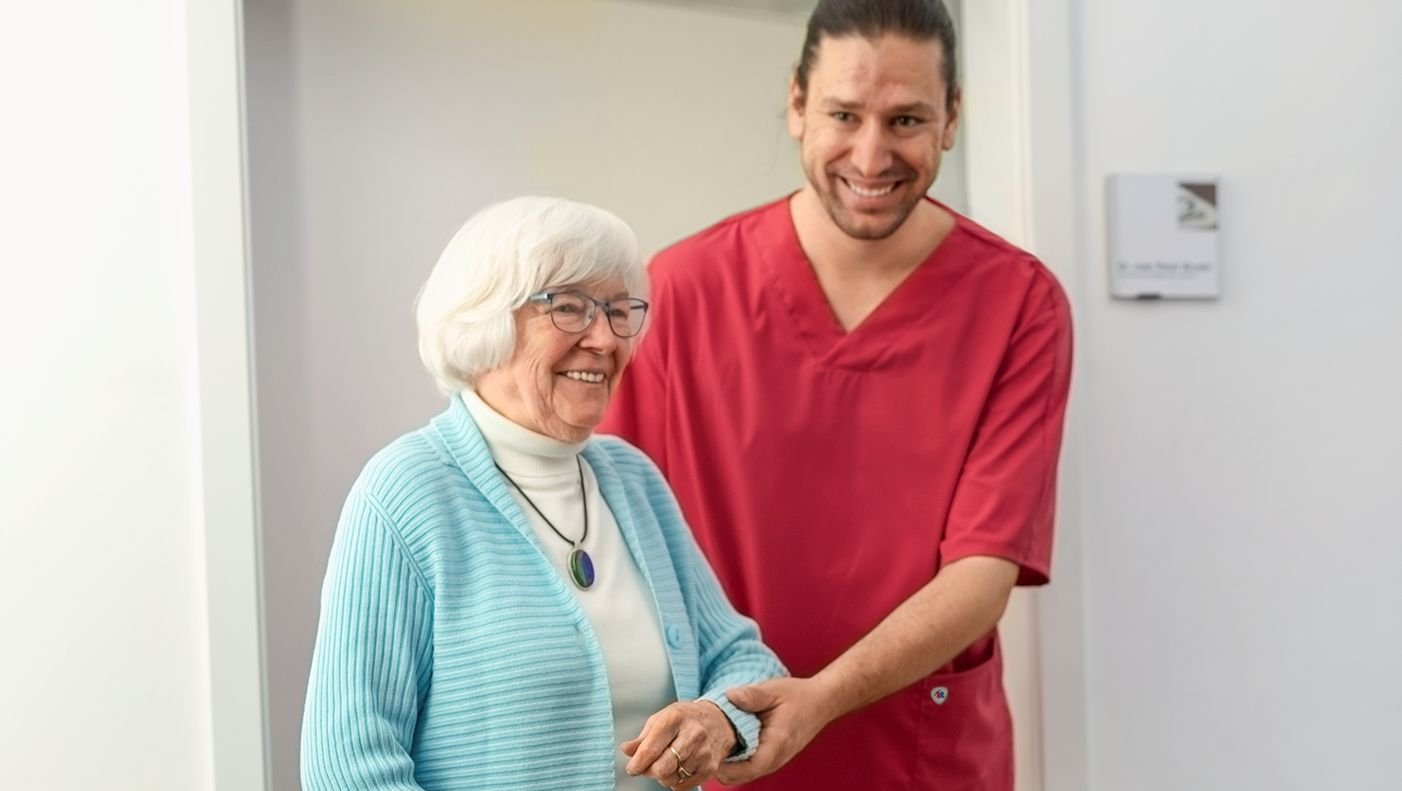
{"x": 790, "y": 275}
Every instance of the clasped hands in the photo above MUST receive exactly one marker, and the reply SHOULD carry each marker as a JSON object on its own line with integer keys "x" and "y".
{"x": 686, "y": 744}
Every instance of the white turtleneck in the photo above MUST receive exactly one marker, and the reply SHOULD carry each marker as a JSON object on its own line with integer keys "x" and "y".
{"x": 619, "y": 604}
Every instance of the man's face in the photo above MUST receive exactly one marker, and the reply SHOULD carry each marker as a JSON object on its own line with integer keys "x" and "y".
{"x": 872, "y": 128}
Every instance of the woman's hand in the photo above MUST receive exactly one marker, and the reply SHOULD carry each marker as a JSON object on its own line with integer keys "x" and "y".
{"x": 682, "y": 745}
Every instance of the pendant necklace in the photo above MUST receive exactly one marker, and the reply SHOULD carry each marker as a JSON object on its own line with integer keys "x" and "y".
{"x": 580, "y": 565}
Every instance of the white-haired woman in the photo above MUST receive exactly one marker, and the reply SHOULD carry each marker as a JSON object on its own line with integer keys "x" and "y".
{"x": 509, "y": 599}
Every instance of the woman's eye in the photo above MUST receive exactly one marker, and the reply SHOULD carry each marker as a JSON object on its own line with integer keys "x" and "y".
{"x": 568, "y": 308}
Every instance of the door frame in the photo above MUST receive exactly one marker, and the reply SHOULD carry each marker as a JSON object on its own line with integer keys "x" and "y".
{"x": 1022, "y": 161}
{"x": 224, "y": 330}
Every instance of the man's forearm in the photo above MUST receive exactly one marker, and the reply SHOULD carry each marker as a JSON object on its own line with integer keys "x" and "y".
{"x": 961, "y": 604}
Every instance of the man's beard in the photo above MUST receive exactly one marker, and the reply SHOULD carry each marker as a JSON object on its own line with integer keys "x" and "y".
{"x": 865, "y": 227}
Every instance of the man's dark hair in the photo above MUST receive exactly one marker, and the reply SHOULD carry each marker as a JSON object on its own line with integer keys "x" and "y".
{"x": 921, "y": 20}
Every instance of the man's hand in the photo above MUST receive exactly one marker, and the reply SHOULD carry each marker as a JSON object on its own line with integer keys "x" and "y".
{"x": 791, "y": 712}
{"x": 962, "y": 603}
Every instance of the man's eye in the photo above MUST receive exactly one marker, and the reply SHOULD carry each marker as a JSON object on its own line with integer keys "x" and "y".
{"x": 907, "y": 120}
{"x": 842, "y": 116}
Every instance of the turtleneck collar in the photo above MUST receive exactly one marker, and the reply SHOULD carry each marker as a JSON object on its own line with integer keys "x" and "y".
{"x": 517, "y": 449}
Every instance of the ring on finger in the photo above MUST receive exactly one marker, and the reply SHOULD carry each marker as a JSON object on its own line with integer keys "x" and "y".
{"x": 681, "y": 770}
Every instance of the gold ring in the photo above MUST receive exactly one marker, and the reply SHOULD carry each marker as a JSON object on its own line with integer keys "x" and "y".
{"x": 681, "y": 770}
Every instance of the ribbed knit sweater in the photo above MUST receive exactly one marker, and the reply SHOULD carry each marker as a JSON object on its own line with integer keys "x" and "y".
{"x": 557, "y": 486}
{"x": 450, "y": 653}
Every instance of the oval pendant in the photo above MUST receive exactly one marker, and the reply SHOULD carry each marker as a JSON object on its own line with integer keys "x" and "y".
{"x": 581, "y": 569}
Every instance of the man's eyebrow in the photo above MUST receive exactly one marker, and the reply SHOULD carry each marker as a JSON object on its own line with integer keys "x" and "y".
{"x": 909, "y": 108}
{"x": 914, "y": 108}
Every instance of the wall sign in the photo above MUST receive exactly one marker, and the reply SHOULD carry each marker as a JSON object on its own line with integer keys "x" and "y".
{"x": 1163, "y": 236}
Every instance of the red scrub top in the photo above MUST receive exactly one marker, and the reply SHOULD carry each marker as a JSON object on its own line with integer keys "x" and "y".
{"x": 828, "y": 475}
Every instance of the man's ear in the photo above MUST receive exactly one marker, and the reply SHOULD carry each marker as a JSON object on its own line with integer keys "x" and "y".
{"x": 797, "y": 98}
{"x": 956, "y": 106}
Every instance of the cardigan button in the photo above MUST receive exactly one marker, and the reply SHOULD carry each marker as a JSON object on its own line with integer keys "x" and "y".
{"x": 674, "y": 635}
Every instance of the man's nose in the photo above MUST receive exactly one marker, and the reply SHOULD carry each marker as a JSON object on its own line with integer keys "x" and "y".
{"x": 871, "y": 151}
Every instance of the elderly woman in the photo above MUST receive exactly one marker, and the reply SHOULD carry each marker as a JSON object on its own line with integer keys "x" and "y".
{"x": 509, "y": 600}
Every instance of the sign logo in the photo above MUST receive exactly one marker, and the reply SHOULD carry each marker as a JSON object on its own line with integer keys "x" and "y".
{"x": 1197, "y": 206}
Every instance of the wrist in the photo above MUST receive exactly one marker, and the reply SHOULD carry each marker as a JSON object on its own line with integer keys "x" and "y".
{"x": 724, "y": 725}
{"x": 829, "y": 695}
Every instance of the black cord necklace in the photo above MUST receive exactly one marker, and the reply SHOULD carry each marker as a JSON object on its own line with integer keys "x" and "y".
{"x": 580, "y": 565}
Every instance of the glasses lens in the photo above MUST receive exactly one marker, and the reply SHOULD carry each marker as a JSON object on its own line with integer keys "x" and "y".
{"x": 626, "y": 316}
{"x": 570, "y": 312}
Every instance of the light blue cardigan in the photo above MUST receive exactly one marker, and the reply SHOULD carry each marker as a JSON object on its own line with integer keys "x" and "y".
{"x": 450, "y": 653}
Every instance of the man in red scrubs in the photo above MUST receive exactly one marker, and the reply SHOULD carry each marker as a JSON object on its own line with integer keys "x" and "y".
{"x": 858, "y": 397}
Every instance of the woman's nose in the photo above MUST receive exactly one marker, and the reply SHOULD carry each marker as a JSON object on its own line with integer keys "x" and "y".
{"x": 599, "y": 335}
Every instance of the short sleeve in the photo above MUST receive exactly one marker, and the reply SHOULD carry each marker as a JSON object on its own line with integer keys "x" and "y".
{"x": 1005, "y": 501}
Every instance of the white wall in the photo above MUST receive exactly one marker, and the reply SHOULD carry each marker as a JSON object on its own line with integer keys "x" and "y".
{"x": 102, "y": 588}
{"x": 1243, "y": 519}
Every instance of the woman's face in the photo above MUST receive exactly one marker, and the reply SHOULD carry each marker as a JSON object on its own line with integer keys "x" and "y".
{"x": 558, "y": 383}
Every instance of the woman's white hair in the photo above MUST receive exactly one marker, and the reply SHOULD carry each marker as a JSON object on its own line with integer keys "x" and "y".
{"x": 499, "y": 258}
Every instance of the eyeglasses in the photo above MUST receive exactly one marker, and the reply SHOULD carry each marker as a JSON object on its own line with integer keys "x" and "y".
{"x": 572, "y": 311}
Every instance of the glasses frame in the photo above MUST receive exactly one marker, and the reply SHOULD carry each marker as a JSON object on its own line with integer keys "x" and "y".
{"x": 547, "y": 298}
